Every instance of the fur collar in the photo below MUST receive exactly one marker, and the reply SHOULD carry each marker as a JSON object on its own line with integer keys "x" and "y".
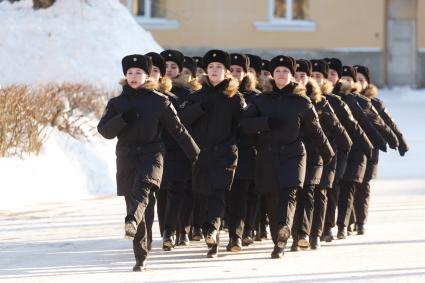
{"x": 370, "y": 91}
{"x": 249, "y": 83}
{"x": 295, "y": 88}
{"x": 182, "y": 81}
{"x": 327, "y": 88}
{"x": 314, "y": 91}
{"x": 149, "y": 84}
{"x": 231, "y": 88}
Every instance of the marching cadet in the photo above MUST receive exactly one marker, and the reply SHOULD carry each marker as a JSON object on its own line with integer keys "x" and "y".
{"x": 177, "y": 168}
{"x": 375, "y": 128}
{"x": 265, "y": 72}
{"x": 136, "y": 118}
{"x": 200, "y": 71}
{"x": 214, "y": 115}
{"x": 362, "y": 195}
{"x": 327, "y": 73}
{"x": 281, "y": 114}
{"x": 244, "y": 176}
{"x": 312, "y": 196}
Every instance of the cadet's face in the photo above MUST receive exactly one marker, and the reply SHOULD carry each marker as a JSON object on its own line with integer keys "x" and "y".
{"x": 187, "y": 73}
{"x": 318, "y": 77}
{"x": 348, "y": 79}
{"x": 252, "y": 71}
{"x": 333, "y": 76}
{"x": 155, "y": 74}
{"x": 171, "y": 69}
{"x": 362, "y": 80}
{"x": 216, "y": 72}
{"x": 200, "y": 72}
{"x": 282, "y": 76}
{"x": 265, "y": 73}
{"x": 237, "y": 72}
{"x": 301, "y": 77}
{"x": 135, "y": 77}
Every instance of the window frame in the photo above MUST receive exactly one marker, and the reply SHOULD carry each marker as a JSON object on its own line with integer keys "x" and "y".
{"x": 284, "y": 24}
{"x": 149, "y": 22}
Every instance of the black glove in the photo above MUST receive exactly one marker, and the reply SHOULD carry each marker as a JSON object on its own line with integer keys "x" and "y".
{"x": 402, "y": 147}
{"x": 383, "y": 147}
{"x": 207, "y": 106}
{"x": 130, "y": 116}
{"x": 274, "y": 122}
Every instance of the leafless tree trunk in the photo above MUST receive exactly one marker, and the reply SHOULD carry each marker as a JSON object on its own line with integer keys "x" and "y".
{"x": 42, "y": 4}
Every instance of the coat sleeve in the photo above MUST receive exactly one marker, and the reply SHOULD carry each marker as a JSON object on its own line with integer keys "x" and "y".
{"x": 382, "y": 127}
{"x": 353, "y": 128}
{"x": 191, "y": 113}
{"x": 384, "y": 113}
{"x": 374, "y": 136}
{"x": 251, "y": 120}
{"x": 111, "y": 123}
{"x": 177, "y": 130}
{"x": 331, "y": 122}
{"x": 312, "y": 128}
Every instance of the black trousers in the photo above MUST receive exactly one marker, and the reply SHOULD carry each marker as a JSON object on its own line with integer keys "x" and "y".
{"x": 136, "y": 204}
{"x": 361, "y": 202}
{"x": 213, "y": 207}
{"x": 238, "y": 197}
{"x": 150, "y": 215}
{"x": 304, "y": 210}
{"x": 161, "y": 204}
{"x": 252, "y": 210}
{"x": 333, "y": 196}
{"x": 178, "y": 205}
{"x": 196, "y": 211}
{"x": 319, "y": 211}
{"x": 281, "y": 209}
{"x": 345, "y": 202}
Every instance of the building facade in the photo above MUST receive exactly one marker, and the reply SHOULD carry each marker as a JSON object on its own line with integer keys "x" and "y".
{"x": 388, "y": 36}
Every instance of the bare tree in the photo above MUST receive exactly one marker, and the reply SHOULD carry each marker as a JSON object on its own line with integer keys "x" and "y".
{"x": 42, "y": 4}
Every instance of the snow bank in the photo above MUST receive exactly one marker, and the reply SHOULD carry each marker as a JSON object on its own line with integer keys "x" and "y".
{"x": 74, "y": 40}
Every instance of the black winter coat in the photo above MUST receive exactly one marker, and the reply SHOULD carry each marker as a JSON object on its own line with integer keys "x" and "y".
{"x": 140, "y": 150}
{"x": 281, "y": 155}
{"x": 213, "y": 114}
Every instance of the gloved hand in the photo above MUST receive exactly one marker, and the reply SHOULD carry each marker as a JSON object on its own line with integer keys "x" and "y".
{"x": 130, "y": 116}
{"x": 402, "y": 147}
{"x": 274, "y": 122}
{"x": 383, "y": 147}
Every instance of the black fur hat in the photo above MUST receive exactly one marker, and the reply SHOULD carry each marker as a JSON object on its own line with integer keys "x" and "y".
{"x": 216, "y": 55}
{"x": 335, "y": 64}
{"x": 198, "y": 61}
{"x": 284, "y": 61}
{"x": 255, "y": 62}
{"x": 175, "y": 56}
{"x": 157, "y": 61}
{"x": 349, "y": 71}
{"x": 304, "y": 66}
{"x": 190, "y": 64}
{"x": 136, "y": 61}
{"x": 265, "y": 65}
{"x": 320, "y": 66}
{"x": 240, "y": 60}
{"x": 364, "y": 71}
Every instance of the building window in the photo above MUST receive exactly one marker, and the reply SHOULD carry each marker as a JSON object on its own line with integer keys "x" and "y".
{"x": 287, "y": 15}
{"x": 151, "y": 14}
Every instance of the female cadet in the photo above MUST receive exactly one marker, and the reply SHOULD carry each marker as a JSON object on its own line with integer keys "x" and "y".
{"x": 136, "y": 118}
{"x": 244, "y": 176}
{"x": 280, "y": 115}
{"x": 214, "y": 116}
{"x": 311, "y": 199}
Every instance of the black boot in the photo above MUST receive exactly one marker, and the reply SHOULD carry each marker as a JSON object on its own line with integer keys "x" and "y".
{"x": 183, "y": 239}
{"x": 303, "y": 242}
{"x": 327, "y": 235}
{"x": 295, "y": 247}
{"x": 277, "y": 252}
{"x": 283, "y": 235}
{"x": 342, "y": 232}
{"x": 360, "y": 229}
{"x": 235, "y": 244}
{"x": 211, "y": 237}
{"x": 140, "y": 265}
{"x": 130, "y": 229}
{"x": 315, "y": 243}
{"x": 197, "y": 234}
{"x": 213, "y": 251}
{"x": 247, "y": 238}
{"x": 168, "y": 241}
